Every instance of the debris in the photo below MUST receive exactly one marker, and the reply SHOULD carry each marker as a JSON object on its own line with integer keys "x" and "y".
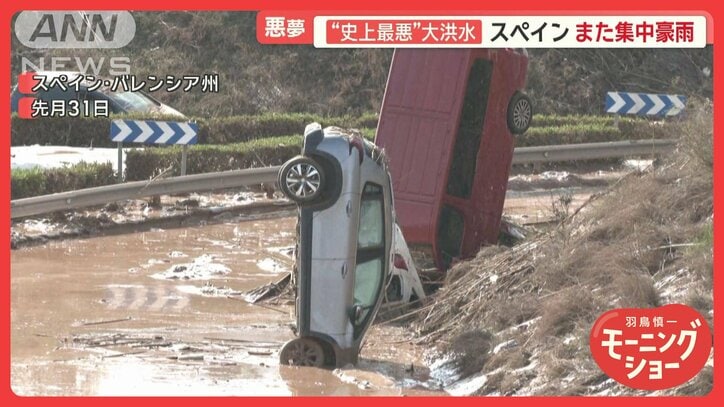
{"x": 111, "y": 321}
{"x": 191, "y": 357}
{"x": 267, "y": 291}
{"x": 271, "y": 265}
{"x": 505, "y": 345}
{"x": 243, "y": 197}
{"x": 256, "y": 344}
{"x": 111, "y": 207}
{"x": 187, "y": 203}
{"x": 259, "y": 352}
{"x": 202, "y": 268}
{"x": 123, "y": 354}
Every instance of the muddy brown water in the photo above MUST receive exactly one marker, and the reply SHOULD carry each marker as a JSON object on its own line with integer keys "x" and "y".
{"x": 149, "y": 314}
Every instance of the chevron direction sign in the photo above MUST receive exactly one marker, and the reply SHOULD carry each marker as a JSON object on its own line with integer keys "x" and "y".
{"x": 644, "y": 103}
{"x": 154, "y": 132}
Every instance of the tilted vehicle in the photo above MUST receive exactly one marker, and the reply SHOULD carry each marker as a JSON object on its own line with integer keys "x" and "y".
{"x": 345, "y": 233}
{"x": 447, "y": 125}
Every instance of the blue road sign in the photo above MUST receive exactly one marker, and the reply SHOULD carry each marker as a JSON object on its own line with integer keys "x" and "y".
{"x": 644, "y": 103}
{"x": 154, "y": 132}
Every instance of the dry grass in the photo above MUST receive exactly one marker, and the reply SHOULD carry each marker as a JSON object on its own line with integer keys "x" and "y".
{"x": 468, "y": 363}
{"x": 509, "y": 359}
{"x": 700, "y": 385}
{"x": 493, "y": 383}
{"x": 562, "y": 313}
{"x": 609, "y": 255}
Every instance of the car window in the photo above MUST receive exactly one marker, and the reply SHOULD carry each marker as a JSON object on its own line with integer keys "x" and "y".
{"x": 92, "y": 97}
{"x": 371, "y": 228}
{"x": 369, "y": 268}
{"x": 451, "y": 227}
{"x": 132, "y": 101}
{"x": 56, "y": 93}
{"x": 470, "y": 130}
{"x": 367, "y": 279}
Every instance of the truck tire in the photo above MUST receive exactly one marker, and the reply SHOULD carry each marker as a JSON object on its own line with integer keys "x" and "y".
{"x": 520, "y": 113}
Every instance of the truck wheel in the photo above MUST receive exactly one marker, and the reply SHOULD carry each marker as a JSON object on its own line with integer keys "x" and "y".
{"x": 520, "y": 113}
{"x": 301, "y": 179}
{"x": 302, "y": 352}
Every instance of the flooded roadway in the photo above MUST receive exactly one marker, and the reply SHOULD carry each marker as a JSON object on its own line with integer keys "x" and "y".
{"x": 158, "y": 313}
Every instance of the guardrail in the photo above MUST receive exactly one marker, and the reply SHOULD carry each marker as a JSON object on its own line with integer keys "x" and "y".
{"x": 232, "y": 179}
{"x": 591, "y": 151}
{"x": 140, "y": 189}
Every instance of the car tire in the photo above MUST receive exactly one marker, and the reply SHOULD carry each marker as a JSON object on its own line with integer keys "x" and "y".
{"x": 520, "y": 113}
{"x": 302, "y": 179}
{"x": 302, "y": 352}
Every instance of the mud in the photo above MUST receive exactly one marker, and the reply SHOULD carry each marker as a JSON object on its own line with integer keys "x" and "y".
{"x": 539, "y": 207}
{"x": 152, "y": 305}
{"x": 137, "y": 215}
{"x": 110, "y": 316}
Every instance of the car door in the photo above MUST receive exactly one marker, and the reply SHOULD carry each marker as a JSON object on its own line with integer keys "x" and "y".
{"x": 370, "y": 260}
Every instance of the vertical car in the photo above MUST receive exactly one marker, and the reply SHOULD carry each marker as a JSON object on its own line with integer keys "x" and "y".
{"x": 343, "y": 191}
{"x": 447, "y": 125}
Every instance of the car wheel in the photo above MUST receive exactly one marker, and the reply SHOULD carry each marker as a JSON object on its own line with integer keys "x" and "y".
{"x": 301, "y": 179}
{"x": 302, "y": 352}
{"x": 520, "y": 113}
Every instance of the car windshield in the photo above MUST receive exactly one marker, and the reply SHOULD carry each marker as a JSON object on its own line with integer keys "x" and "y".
{"x": 132, "y": 101}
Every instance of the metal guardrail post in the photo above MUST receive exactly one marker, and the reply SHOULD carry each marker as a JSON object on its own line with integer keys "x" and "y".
{"x": 120, "y": 162}
{"x": 184, "y": 151}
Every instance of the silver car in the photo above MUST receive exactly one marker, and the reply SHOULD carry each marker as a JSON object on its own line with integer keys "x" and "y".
{"x": 342, "y": 187}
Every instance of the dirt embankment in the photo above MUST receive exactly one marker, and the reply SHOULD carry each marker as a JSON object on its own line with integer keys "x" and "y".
{"x": 516, "y": 321}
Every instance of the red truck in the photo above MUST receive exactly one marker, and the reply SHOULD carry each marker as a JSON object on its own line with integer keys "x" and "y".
{"x": 447, "y": 125}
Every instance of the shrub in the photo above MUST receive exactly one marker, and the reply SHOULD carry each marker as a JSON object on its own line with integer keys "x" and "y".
{"x": 42, "y": 181}
{"x": 552, "y": 120}
{"x": 595, "y": 132}
{"x": 149, "y": 162}
{"x": 83, "y": 132}
{"x": 146, "y": 163}
{"x": 234, "y": 129}
{"x": 61, "y": 131}
{"x": 545, "y": 130}
{"x": 27, "y": 182}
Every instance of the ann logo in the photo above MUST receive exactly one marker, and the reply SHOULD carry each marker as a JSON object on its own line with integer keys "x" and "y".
{"x": 75, "y": 29}
{"x": 47, "y": 28}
